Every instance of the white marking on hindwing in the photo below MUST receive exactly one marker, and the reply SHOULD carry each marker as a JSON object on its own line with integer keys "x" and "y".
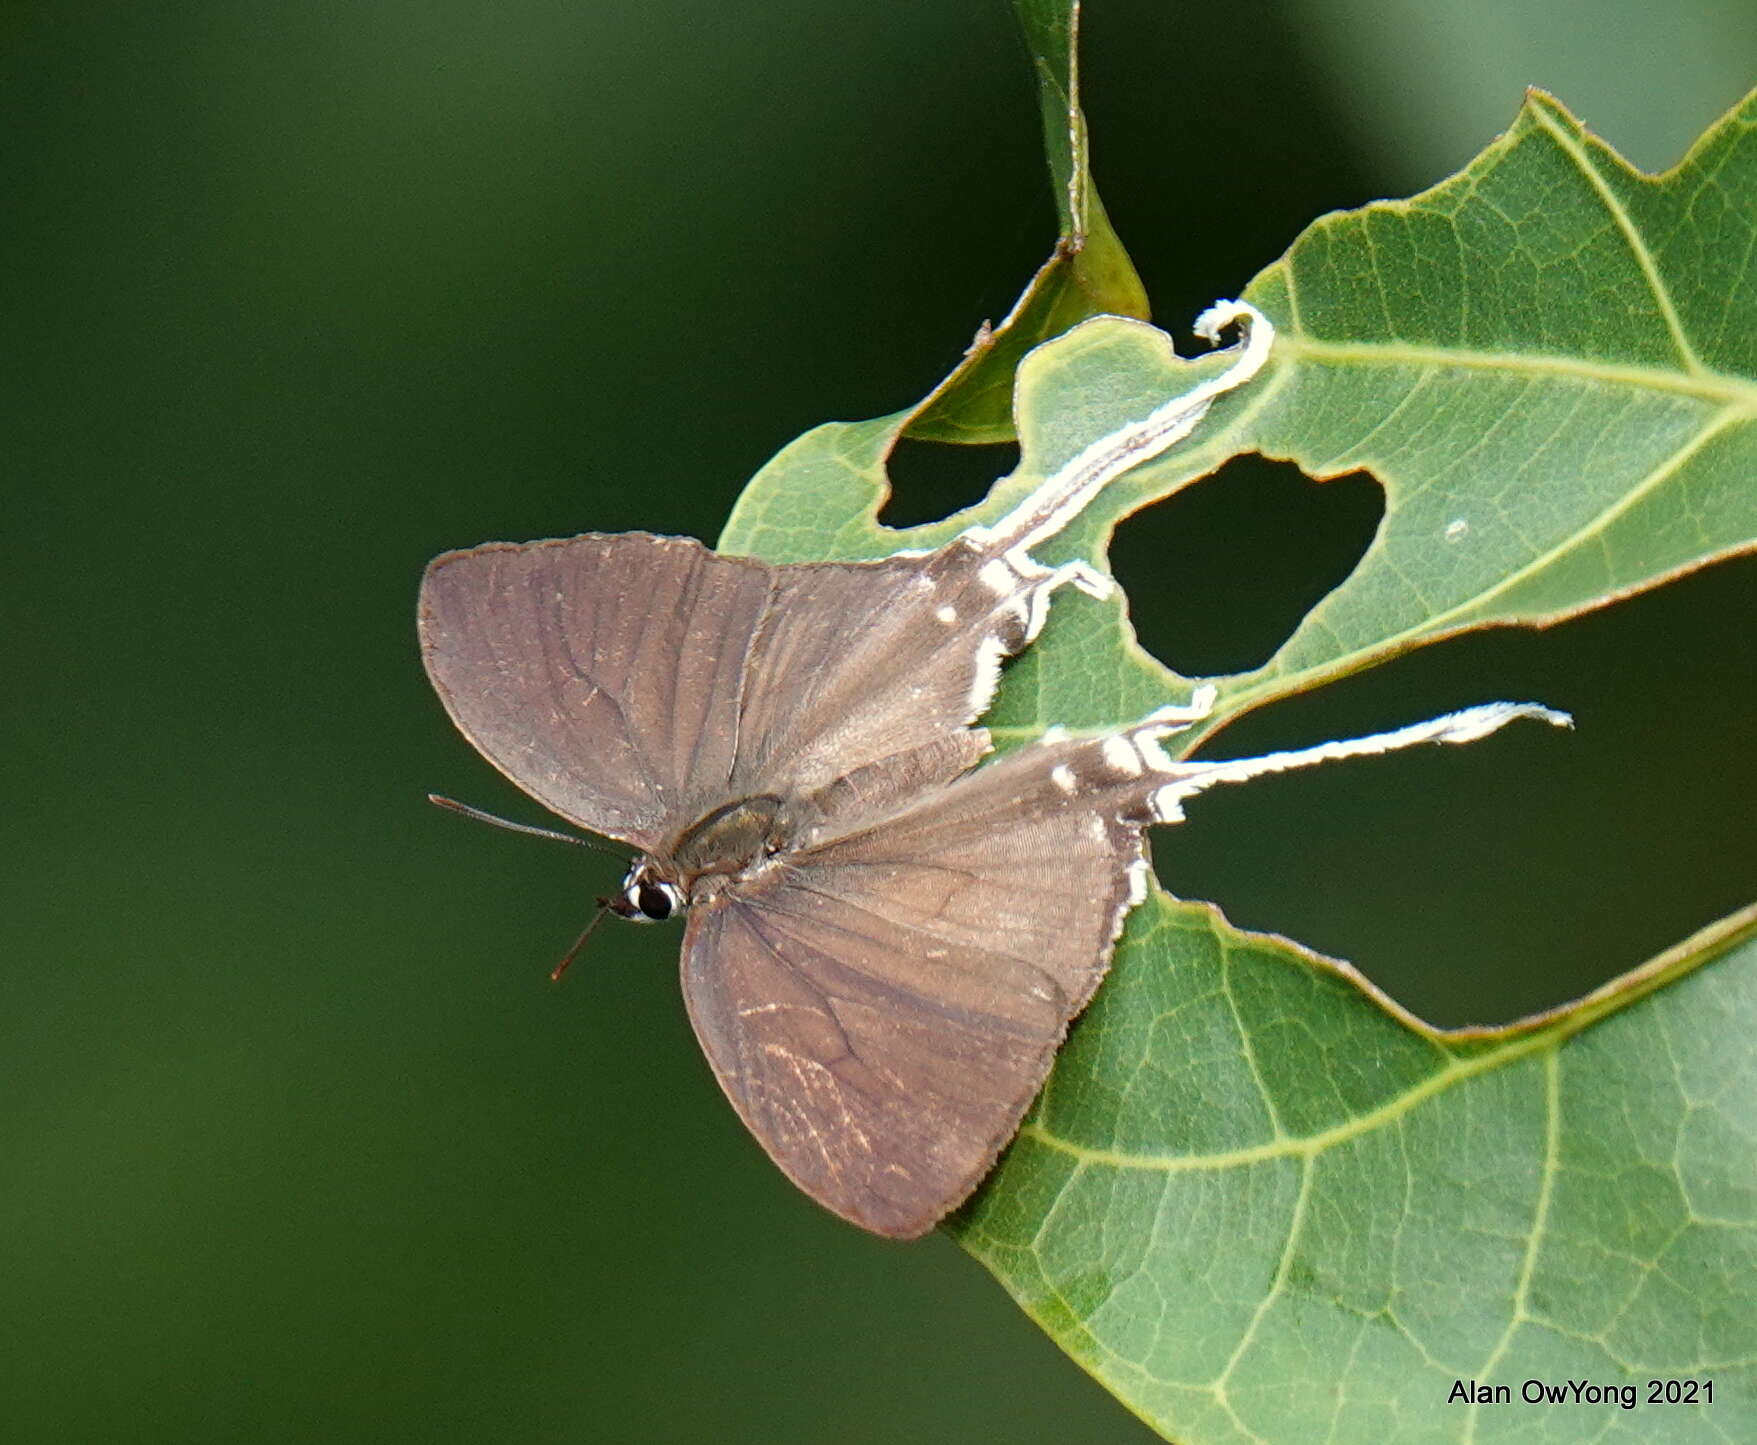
{"x": 1153, "y": 757}
{"x": 1165, "y": 804}
{"x": 947, "y": 615}
{"x": 1063, "y": 777}
{"x": 998, "y": 577}
{"x": 1137, "y": 874}
{"x": 1122, "y": 756}
{"x": 989, "y": 657}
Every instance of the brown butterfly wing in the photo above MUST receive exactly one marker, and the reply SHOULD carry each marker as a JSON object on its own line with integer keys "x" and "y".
{"x": 855, "y": 662}
{"x": 632, "y": 683}
{"x": 883, "y": 1007}
{"x": 602, "y": 674}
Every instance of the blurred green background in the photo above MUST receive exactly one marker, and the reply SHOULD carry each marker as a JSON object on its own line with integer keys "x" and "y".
{"x": 299, "y": 1143}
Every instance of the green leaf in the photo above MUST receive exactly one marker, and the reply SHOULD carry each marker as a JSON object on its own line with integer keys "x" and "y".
{"x": 1261, "y": 1203}
{"x": 1256, "y": 1199}
{"x": 1087, "y": 274}
{"x": 1549, "y": 361}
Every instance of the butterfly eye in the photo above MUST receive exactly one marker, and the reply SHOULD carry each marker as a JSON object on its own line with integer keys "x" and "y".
{"x": 655, "y": 901}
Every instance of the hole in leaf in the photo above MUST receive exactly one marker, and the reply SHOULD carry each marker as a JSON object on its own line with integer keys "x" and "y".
{"x": 930, "y": 480}
{"x": 1220, "y": 574}
{"x": 1481, "y": 882}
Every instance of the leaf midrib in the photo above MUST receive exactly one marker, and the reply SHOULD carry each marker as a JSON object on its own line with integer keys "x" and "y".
{"x": 1716, "y": 388}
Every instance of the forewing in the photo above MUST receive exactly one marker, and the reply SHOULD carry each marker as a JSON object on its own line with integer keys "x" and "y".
{"x": 603, "y": 674}
{"x": 632, "y": 683}
{"x": 882, "y": 1008}
{"x": 857, "y": 662}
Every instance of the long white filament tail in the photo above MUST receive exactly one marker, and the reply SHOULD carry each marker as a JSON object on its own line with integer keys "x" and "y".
{"x": 1064, "y": 494}
{"x": 1190, "y": 778}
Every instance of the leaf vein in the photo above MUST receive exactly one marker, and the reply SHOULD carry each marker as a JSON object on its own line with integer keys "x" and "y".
{"x": 1519, "y": 1314}
{"x": 1619, "y": 215}
{"x": 1718, "y": 388}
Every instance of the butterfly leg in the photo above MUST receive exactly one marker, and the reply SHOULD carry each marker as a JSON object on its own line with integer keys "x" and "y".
{"x": 1040, "y": 583}
{"x": 1087, "y": 579}
{"x": 1176, "y": 716}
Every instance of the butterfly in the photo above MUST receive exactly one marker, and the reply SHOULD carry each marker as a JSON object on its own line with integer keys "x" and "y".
{"x": 886, "y": 943}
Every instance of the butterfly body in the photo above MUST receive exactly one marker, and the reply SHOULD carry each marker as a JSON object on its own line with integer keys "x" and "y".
{"x": 719, "y": 851}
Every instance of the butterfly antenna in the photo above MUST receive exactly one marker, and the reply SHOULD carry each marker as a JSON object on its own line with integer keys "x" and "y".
{"x": 454, "y": 806}
{"x": 580, "y": 942}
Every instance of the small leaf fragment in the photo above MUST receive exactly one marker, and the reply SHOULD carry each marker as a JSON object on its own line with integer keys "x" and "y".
{"x": 1087, "y": 274}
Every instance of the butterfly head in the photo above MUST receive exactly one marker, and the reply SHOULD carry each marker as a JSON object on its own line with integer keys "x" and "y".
{"x": 646, "y": 896}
